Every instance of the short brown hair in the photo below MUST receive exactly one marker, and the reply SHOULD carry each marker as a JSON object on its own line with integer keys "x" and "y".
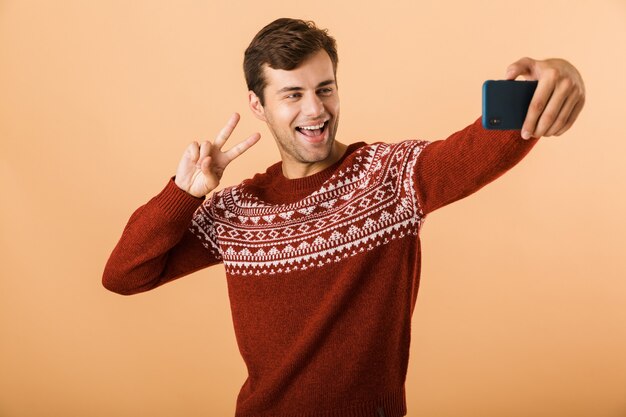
{"x": 284, "y": 44}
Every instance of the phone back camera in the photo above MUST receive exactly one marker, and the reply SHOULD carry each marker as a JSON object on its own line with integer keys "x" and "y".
{"x": 495, "y": 121}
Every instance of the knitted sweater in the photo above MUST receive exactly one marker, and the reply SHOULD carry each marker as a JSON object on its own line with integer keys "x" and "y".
{"x": 322, "y": 271}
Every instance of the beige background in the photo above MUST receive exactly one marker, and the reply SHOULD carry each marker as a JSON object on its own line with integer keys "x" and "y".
{"x": 522, "y": 306}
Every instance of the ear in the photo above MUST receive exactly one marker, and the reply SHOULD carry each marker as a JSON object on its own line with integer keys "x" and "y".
{"x": 255, "y": 105}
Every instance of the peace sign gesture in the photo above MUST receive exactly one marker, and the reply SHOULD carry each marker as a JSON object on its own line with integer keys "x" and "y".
{"x": 201, "y": 166}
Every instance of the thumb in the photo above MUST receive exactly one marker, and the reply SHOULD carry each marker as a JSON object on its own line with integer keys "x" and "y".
{"x": 523, "y": 66}
{"x": 205, "y": 166}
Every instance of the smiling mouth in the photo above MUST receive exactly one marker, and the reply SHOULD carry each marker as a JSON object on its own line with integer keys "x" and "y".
{"x": 313, "y": 131}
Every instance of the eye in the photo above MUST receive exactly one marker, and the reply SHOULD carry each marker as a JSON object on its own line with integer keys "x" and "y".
{"x": 327, "y": 91}
{"x": 293, "y": 96}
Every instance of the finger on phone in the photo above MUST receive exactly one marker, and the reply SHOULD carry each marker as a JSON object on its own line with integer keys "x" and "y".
{"x": 563, "y": 115}
{"x": 556, "y": 104}
{"x": 572, "y": 117}
{"x": 537, "y": 105}
{"x": 522, "y": 66}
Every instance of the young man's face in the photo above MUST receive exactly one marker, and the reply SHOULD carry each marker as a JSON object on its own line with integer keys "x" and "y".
{"x": 302, "y": 111}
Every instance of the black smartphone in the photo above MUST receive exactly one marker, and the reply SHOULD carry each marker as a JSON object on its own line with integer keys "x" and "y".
{"x": 505, "y": 103}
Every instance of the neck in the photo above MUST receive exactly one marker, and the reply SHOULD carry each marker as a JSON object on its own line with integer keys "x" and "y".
{"x": 296, "y": 169}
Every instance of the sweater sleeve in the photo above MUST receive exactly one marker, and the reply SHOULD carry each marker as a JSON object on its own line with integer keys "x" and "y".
{"x": 451, "y": 169}
{"x": 157, "y": 245}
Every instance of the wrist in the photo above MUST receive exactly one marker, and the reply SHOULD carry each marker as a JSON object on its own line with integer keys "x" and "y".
{"x": 186, "y": 189}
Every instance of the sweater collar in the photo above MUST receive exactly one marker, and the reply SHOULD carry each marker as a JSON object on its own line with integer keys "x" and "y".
{"x": 293, "y": 189}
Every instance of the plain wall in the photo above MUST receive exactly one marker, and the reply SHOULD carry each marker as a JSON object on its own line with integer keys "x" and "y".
{"x": 522, "y": 305}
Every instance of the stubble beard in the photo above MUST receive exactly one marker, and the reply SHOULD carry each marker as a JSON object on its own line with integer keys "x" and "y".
{"x": 296, "y": 149}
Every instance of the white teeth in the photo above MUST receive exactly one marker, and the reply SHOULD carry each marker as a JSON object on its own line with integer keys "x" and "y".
{"x": 312, "y": 127}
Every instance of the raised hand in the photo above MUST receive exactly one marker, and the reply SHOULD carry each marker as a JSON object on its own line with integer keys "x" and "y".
{"x": 558, "y": 99}
{"x": 202, "y": 165}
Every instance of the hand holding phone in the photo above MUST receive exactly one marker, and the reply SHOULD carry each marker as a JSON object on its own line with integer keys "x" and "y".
{"x": 505, "y": 103}
{"x": 558, "y": 99}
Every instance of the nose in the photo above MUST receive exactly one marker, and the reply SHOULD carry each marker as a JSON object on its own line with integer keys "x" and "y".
{"x": 312, "y": 106}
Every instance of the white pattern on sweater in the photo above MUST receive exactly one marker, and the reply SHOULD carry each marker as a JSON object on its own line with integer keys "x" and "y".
{"x": 368, "y": 201}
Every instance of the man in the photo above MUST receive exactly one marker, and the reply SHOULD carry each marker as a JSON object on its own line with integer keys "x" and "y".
{"x": 321, "y": 252}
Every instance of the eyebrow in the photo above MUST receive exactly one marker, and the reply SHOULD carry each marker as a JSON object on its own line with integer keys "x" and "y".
{"x": 322, "y": 84}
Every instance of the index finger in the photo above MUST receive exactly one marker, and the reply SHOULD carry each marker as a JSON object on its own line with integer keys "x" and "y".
{"x": 542, "y": 94}
{"x": 241, "y": 147}
{"x": 226, "y": 131}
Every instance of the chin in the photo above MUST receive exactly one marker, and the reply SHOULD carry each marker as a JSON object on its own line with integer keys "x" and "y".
{"x": 318, "y": 153}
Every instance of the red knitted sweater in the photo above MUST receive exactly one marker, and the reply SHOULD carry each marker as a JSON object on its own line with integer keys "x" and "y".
{"x": 322, "y": 271}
